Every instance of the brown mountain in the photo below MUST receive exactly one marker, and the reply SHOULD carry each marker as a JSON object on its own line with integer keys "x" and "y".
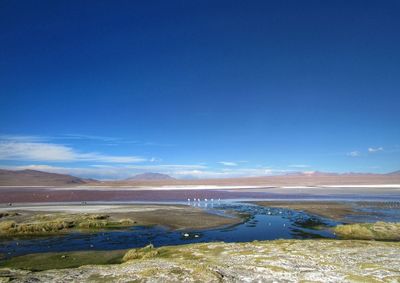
{"x": 292, "y": 179}
{"x": 310, "y": 173}
{"x": 150, "y": 177}
{"x": 38, "y": 178}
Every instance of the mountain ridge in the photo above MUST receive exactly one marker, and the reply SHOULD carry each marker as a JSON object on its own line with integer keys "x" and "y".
{"x": 30, "y": 177}
{"x": 150, "y": 176}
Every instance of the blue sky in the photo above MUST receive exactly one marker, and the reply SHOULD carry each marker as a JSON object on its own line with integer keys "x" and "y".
{"x": 108, "y": 89}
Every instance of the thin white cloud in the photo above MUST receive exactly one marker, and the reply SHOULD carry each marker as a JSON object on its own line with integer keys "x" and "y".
{"x": 354, "y": 153}
{"x": 88, "y": 137}
{"x": 166, "y": 167}
{"x": 22, "y": 138}
{"x": 108, "y": 158}
{"x": 376, "y": 149}
{"x": 299, "y": 166}
{"x": 39, "y": 151}
{"x": 228, "y": 163}
{"x": 108, "y": 140}
{"x": 228, "y": 173}
{"x": 111, "y": 141}
{"x": 35, "y": 152}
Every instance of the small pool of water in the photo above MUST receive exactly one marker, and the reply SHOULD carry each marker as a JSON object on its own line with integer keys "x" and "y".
{"x": 262, "y": 224}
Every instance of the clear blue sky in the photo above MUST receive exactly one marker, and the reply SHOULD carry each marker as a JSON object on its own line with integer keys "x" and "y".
{"x": 108, "y": 89}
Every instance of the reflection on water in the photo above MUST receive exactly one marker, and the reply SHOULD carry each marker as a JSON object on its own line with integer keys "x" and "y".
{"x": 262, "y": 223}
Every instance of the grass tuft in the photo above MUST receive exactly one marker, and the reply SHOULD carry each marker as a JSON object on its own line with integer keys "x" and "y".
{"x": 47, "y": 224}
{"x": 143, "y": 253}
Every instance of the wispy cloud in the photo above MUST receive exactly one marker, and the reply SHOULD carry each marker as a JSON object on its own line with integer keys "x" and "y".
{"x": 106, "y": 140}
{"x": 353, "y": 153}
{"x": 113, "y": 140}
{"x": 39, "y": 151}
{"x": 299, "y": 166}
{"x": 87, "y": 137}
{"x": 357, "y": 153}
{"x": 376, "y": 149}
{"x": 228, "y": 163}
{"x": 22, "y": 138}
{"x": 227, "y": 173}
{"x": 155, "y": 159}
{"x": 166, "y": 167}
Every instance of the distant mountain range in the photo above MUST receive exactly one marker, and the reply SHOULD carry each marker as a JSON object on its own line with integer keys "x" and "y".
{"x": 151, "y": 176}
{"x": 312, "y": 178}
{"x": 319, "y": 173}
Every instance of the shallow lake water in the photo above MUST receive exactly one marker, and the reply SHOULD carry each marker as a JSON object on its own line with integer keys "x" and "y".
{"x": 262, "y": 223}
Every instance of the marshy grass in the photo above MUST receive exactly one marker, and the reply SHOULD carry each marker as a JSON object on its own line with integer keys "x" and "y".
{"x": 44, "y": 224}
{"x": 46, "y": 261}
{"x": 142, "y": 253}
{"x": 386, "y": 231}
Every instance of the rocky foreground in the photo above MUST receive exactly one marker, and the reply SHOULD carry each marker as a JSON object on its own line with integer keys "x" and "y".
{"x": 267, "y": 261}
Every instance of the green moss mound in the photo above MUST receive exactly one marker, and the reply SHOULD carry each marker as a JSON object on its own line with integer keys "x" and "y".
{"x": 369, "y": 231}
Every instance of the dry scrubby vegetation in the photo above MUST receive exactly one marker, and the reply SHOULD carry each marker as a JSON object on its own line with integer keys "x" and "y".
{"x": 58, "y": 223}
{"x": 369, "y": 231}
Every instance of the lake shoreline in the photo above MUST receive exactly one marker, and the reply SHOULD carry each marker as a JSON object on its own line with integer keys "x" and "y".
{"x": 10, "y": 195}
